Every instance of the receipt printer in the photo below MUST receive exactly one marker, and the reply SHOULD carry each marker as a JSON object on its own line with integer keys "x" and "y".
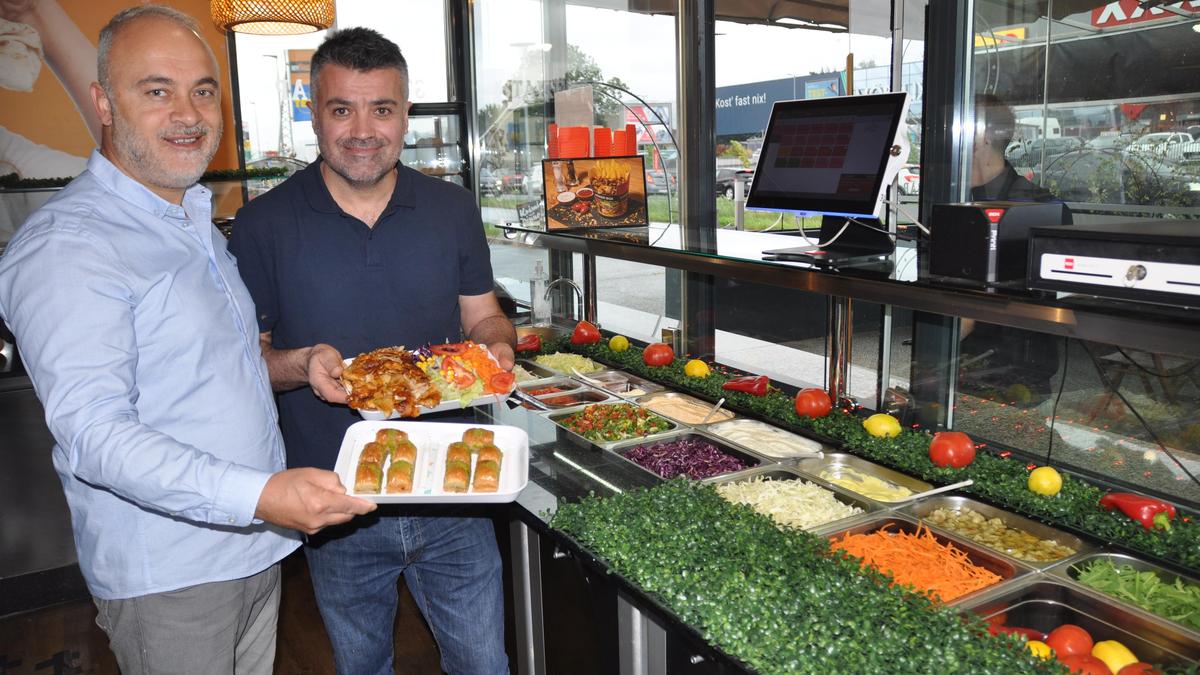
{"x": 986, "y": 242}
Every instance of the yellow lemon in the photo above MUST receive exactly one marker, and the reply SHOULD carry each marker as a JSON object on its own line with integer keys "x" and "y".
{"x": 1040, "y": 649}
{"x": 696, "y": 368}
{"x": 882, "y": 425}
{"x": 1114, "y": 654}
{"x": 1044, "y": 480}
{"x": 618, "y": 343}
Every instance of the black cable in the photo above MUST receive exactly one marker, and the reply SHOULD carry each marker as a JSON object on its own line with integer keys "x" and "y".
{"x": 1062, "y": 384}
{"x": 881, "y": 230}
{"x": 1108, "y": 384}
{"x": 1146, "y": 370}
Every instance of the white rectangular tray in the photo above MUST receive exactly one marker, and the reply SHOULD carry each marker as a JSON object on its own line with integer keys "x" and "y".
{"x": 432, "y": 439}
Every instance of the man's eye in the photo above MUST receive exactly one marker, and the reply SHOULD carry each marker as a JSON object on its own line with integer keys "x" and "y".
{"x": 341, "y": 112}
{"x": 157, "y": 92}
{"x": 383, "y": 112}
{"x": 207, "y": 93}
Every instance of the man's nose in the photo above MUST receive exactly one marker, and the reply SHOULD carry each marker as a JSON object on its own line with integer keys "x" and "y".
{"x": 186, "y": 111}
{"x": 360, "y": 127}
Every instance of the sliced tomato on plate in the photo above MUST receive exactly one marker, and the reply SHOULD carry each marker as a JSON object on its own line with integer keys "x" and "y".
{"x": 502, "y": 383}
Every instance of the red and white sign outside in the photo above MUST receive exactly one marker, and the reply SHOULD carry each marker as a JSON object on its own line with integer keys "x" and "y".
{"x": 1069, "y": 263}
{"x": 1125, "y": 12}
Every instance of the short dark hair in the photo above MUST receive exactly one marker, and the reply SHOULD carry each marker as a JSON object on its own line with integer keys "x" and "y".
{"x": 999, "y": 124}
{"x": 358, "y": 49}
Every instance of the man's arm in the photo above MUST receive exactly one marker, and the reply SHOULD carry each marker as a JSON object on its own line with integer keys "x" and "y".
{"x": 318, "y": 366}
{"x": 84, "y": 371}
{"x": 485, "y": 323}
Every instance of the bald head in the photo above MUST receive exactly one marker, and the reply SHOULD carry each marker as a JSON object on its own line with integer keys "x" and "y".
{"x": 158, "y": 99}
{"x": 131, "y": 15}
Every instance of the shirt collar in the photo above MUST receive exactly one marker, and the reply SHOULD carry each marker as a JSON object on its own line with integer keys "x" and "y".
{"x": 139, "y": 195}
{"x": 321, "y": 200}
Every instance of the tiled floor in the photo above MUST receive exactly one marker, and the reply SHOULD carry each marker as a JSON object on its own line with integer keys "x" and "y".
{"x": 64, "y": 640}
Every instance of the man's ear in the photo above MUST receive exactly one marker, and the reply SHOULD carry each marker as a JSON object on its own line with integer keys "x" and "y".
{"x": 102, "y": 104}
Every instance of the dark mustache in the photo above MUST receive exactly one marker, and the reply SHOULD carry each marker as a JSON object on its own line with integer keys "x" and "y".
{"x": 361, "y": 143}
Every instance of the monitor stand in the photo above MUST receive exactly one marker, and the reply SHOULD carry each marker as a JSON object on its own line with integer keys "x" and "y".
{"x": 857, "y": 244}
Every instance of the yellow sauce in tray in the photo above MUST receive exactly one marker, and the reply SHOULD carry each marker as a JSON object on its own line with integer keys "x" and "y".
{"x": 866, "y": 485}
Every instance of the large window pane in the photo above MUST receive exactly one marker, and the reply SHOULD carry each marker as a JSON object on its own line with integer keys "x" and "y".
{"x": 1098, "y": 109}
{"x": 272, "y": 73}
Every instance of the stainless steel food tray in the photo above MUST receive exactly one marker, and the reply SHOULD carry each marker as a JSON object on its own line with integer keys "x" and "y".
{"x": 752, "y": 460}
{"x": 1043, "y": 603}
{"x": 778, "y": 472}
{"x": 837, "y": 460}
{"x": 556, "y": 416}
{"x": 1069, "y": 570}
{"x": 621, "y": 383}
{"x": 1003, "y": 566}
{"x": 648, "y": 399}
{"x": 923, "y": 507}
{"x": 539, "y": 372}
{"x": 715, "y": 428}
{"x": 570, "y": 388}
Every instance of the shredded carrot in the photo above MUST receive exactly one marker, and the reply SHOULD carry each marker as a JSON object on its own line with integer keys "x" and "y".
{"x": 479, "y": 360}
{"x": 938, "y": 570}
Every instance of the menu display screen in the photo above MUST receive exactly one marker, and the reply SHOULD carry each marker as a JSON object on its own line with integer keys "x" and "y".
{"x": 827, "y": 155}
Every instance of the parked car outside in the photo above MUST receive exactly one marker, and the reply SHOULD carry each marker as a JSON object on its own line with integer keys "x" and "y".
{"x": 1168, "y": 144}
{"x": 656, "y": 182}
{"x": 727, "y": 177}
{"x": 909, "y": 179}
{"x": 1029, "y": 153}
{"x": 1110, "y": 141}
{"x": 489, "y": 182}
{"x": 513, "y": 183}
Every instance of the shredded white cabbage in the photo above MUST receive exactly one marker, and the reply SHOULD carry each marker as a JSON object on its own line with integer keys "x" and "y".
{"x": 793, "y": 502}
{"x": 565, "y": 363}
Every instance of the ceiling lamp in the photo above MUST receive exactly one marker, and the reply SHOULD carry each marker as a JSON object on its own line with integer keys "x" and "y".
{"x": 272, "y": 17}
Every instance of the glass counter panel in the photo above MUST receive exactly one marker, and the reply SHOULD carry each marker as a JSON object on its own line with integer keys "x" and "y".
{"x": 433, "y": 146}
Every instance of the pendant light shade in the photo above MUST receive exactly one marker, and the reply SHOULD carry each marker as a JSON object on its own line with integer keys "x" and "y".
{"x": 272, "y": 17}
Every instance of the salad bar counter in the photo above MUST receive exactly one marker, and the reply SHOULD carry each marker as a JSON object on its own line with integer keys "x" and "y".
{"x": 702, "y": 550}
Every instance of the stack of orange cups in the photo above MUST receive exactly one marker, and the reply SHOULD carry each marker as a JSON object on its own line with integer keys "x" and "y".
{"x": 552, "y": 140}
{"x": 619, "y": 144}
{"x": 630, "y": 140}
{"x": 573, "y": 141}
{"x": 603, "y": 142}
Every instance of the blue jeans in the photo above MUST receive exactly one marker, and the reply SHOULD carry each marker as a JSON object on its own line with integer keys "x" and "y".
{"x": 452, "y": 567}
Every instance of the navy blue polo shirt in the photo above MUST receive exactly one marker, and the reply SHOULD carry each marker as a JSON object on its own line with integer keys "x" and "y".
{"x": 318, "y": 274}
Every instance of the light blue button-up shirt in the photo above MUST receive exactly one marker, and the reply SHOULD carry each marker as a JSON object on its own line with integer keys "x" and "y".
{"x": 142, "y": 344}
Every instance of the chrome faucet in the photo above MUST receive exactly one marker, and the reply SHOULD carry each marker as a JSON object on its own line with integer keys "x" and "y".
{"x": 569, "y": 282}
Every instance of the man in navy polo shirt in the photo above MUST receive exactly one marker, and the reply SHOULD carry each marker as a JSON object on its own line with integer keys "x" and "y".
{"x": 356, "y": 252}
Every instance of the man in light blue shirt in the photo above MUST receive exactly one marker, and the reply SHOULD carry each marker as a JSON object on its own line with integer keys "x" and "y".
{"x": 142, "y": 344}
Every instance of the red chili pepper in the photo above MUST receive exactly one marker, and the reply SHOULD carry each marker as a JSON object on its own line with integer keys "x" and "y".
{"x": 755, "y": 385}
{"x": 1151, "y": 513}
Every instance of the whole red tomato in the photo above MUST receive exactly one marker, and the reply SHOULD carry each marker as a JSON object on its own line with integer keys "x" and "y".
{"x": 1070, "y": 640}
{"x": 1086, "y": 664}
{"x": 952, "y": 448}
{"x": 585, "y": 334}
{"x": 813, "y": 402}
{"x": 658, "y": 354}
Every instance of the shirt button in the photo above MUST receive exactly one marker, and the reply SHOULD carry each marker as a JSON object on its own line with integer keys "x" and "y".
{"x": 232, "y": 519}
